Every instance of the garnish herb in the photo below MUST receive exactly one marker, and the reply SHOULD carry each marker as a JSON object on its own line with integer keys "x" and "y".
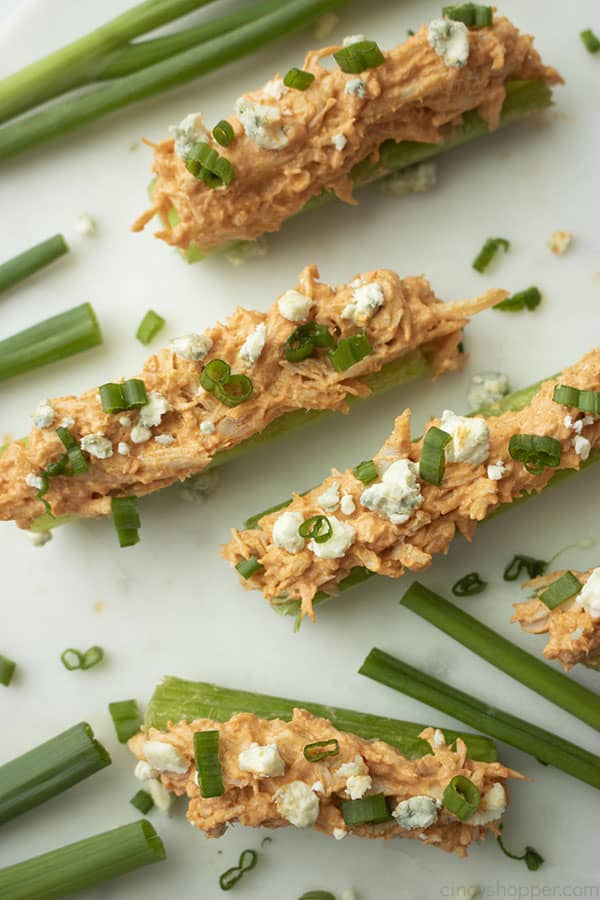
{"x": 533, "y": 859}
{"x": 372, "y": 809}
{"x": 74, "y": 659}
{"x": 25, "y": 264}
{"x": 319, "y": 750}
{"x": 249, "y": 567}
{"x": 204, "y": 162}
{"x": 565, "y": 587}
{"x": 305, "y": 339}
{"x": 208, "y": 764}
{"x": 535, "y": 452}
{"x": 432, "y": 464}
{"x": 586, "y": 401}
{"x": 128, "y": 395}
{"x": 533, "y": 567}
{"x": 365, "y": 471}
{"x": 349, "y": 351}
{"x": 7, "y": 670}
{"x": 317, "y": 895}
{"x": 474, "y": 15}
{"x": 462, "y": 797}
{"x": 149, "y": 327}
{"x": 590, "y": 41}
{"x": 126, "y": 519}
{"x": 74, "y": 453}
{"x": 231, "y": 390}
{"x": 247, "y": 861}
{"x": 142, "y": 801}
{"x": 530, "y": 298}
{"x": 126, "y": 719}
{"x": 317, "y": 527}
{"x": 469, "y": 585}
{"x": 358, "y": 57}
{"x": 489, "y": 250}
{"x": 223, "y": 133}
{"x": 298, "y": 79}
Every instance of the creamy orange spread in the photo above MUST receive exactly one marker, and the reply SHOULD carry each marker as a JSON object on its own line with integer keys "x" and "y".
{"x": 196, "y": 426}
{"x": 469, "y": 492}
{"x": 256, "y": 800}
{"x": 412, "y": 96}
{"x": 574, "y": 634}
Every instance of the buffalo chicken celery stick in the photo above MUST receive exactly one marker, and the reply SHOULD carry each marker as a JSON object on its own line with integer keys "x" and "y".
{"x": 209, "y": 396}
{"x": 267, "y": 762}
{"x": 325, "y": 128}
{"x": 396, "y": 511}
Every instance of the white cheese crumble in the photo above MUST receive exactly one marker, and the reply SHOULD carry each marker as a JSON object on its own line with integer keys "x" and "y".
{"x": 253, "y": 345}
{"x": 366, "y": 300}
{"x": 275, "y": 89}
{"x": 398, "y": 493}
{"x": 125, "y": 421}
{"x": 67, "y": 422}
{"x": 416, "y": 812}
{"x": 34, "y": 481}
{"x": 450, "y": 40}
{"x": 415, "y": 179}
{"x": 358, "y": 785}
{"x": 492, "y": 806}
{"x": 86, "y": 225}
{"x": 589, "y": 597}
{"x": 339, "y": 833}
{"x": 153, "y": 411}
{"x": 190, "y": 131}
{"x": 207, "y": 427}
{"x": 294, "y": 306}
{"x": 353, "y": 39}
{"x": 356, "y": 87}
{"x": 582, "y": 446}
{"x": 317, "y": 787}
{"x": 354, "y": 767}
{"x": 262, "y": 124}
{"x": 341, "y": 539}
{"x": 347, "y": 505}
{"x": 43, "y": 416}
{"x": 339, "y": 141}
{"x": 191, "y": 346}
{"x": 439, "y": 738}
{"x": 165, "y": 439}
{"x": 496, "y": 470}
{"x": 263, "y": 761}
{"x": 298, "y": 804}
{"x": 123, "y": 448}
{"x": 144, "y": 771}
{"x": 162, "y": 798}
{"x": 487, "y": 388}
{"x": 330, "y": 498}
{"x": 140, "y": 434}
{"x": 470, "y": 438}
{"x": 96, "y": 445}
{"x": 165, "y": 757}
{"x": 560, "y": 241}
{"x": 285, "y": 532}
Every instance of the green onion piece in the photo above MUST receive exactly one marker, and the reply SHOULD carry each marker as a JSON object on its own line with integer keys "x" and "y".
{"x": 126, "y": 520}
{"x": 590, "y": 41}
{"x": 349, "y": 351}
{"x": 474, "y": 15}
{"x": 490, "y": 248}
{"x": 7, "y": 670}
{"x": 111, "y": 397}
{"x": 247, "y": 861}
{"x": 134, "y": 393}
{"x": 469, "y": 585}
{"x": 92, "y": 657}
{"x": 265, "y": 841}
{"x": 365, "y": 471}
{"x": 318, "y": 750}
{"x": 317, "y": 895}
{"x": 74, "y": 659}
{"x": 304, "y": 339}
{"x": 317, "y": 527}
{"x": 372, "y": 809}
{"x": 532, "y": 566}
{"x": 142, "y": 801}
{"x": 298, "y": 79}
{"x": 25, "y": 264}
{"x": 432, "y": 464}
{"x": 76, "y": 458}
{"x": 204, "y": 162}
{"x": 83, "y": 864}
{"x": 530, "y": 298}
{"x": 53, "y": 339}
{"x": 231, "y": 390}
{"x": 249, "y": 567}
{"x": 535, "y": 452}
{"x": 223, "y": 133}
{"x": 586, "y": 401}
{"x": 126, "y": 719}
{"x": 533, "y": 859}
{"x": 49, "y": 769}
{"x": 58, "y": 467}
{"x": 208, "y": 764}
{"x": 461, "y": 797}
{"x": 149, "y": 327}
{"x": 562, "y": 589}
{"x": 358, "y": 57}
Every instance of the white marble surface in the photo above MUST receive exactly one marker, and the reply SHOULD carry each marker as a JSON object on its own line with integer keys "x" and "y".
{"x": 170, "y": 605}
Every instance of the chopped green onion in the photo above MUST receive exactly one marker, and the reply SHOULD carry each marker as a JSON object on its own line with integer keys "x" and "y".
{"x": 49, "y": 769}
{"x": 318, "y": 750}
{"x": 533, "y": 859}
{"x": 74, "y": 659}
{"x": 590, "y": 41}
{"x": 432, "y": 464}
{"x": 371, "y": 809}
{"x": 83, "y": 864}
{"x": 76, "y": 458}
{"x": 25, "y": 264}
{"x": 530, "y": 298}
{"x": 142, "y": 801}
{"x": 247, "y": 861}
{"x": 303, "y": 341}
{"x": 532, "y": 566}
{"x": 231, "y": 390}
{"x": 223, "y": 133}
{"x": 586, "y": 401}
{"x": 317, "y": 527}
{"x": 349, "y": 351}
{"x": 149, "y": 327}
{"x": 489, "y": 249}
{"x": 358, "y": 57}
{"x": 562, "y": 589}
{"x": 365, "y": 471}
{"x": 134, "y": 393}
{"x": 298, "y": 79}
{"x": 461, "y": 797}
{"x": 469, "y": 585}
{"x": 317, "y": 895}
{"x": 208, "y": 764}
{"x": 53, "y": 339}
{"x": 204, "y": 162}
{"x": 249, "y": 567}
{"x": 126, "y": 719}
{"x": 474, "y": 15}
{"x": 535, "y": 452}
{"x": 117, "y": 397}
{"x": 7, "y": 670}
{"x": 126, "y": 519}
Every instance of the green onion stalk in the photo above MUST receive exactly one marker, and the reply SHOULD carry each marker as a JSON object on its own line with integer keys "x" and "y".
{"x": 32, "y": 260}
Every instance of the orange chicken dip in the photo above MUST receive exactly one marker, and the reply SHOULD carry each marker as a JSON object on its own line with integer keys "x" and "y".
{"x": 182, "y": 426}
{"x": 268, "y": 782}
{"x": 573, "y": 625}
{"x": 289, "y": 145}
{"x": 391, "y": 519}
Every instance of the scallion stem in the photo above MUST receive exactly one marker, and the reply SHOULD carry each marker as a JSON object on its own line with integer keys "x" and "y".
{"x": 7, "y": 670}
{"x": 126, "y": 719}
{"x": 149, "y": 327}
{"x": 25, "y": 264}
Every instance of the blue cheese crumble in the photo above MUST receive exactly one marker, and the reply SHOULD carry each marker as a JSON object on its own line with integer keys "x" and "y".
{"x": 190, "y": 131}
{"x": 487, "y": 388}
{"x": 191, "y": 346}
{"x": 262, "y": 124}
{"x": 356, "y": 87}
{"x": 366, "y": 300}
{"x": 96, "y": 445}
{"x": 253, "y": 345}
{"x": 397, "y": 495}
{"x": 470, "y": 438}
{"x": 450, "y": 40}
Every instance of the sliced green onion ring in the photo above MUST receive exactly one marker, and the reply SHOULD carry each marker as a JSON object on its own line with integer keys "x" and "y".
{"x": 319, "y": 750}
{"x": 298, "y": 79}
{"x": 247, "y": 861}
{"x": 490, "y": 248}
{"x": 372, "y": 809}
{"x": 208, "y": 764}
{"x": 586, "y": 401}
{"x": 204, "y": 162}
{"x": 562, "y": 589}
{"x": 469, "y": 585}
{"x": 149, "y": 327}
{"x": 317, "y": 527}
{"x": 7, "y": 670}
{"x": 349, "y": 351}
{"x": 303, "y": 341}
{"x": 432, "y": 464}
{"x": 249, "y": 567}
{"x": 358, "y": 57}
{"x": 142, "y": 802}
{"x": 473, "y": 15}
{"x": 76, "y": 458}
{"x": 73, "y": 659}
{"x": 126, "y": 519}
{"x": 223, "y": 133}
{"x": 365, "y": 471}
{"x": 530, "y": 298}
{"x": 533, "y": 567}
{"x": 126, "y": 718}
{"x": 231, "y": 390}
{"x": 462, "y": 797}
{"x": 590, "y": 41}
{"x": 535, "y": 452}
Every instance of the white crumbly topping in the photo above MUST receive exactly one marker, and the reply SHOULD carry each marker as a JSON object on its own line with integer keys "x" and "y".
{"x": 353, "y": 39}
{"x": 191, "y": 346}
{"x": 253, "y": 345}
{"x": 470, "y": 438}
{"x": 589, "y": 597}
{"x": 34, "y": 481}
{"x": 339, "y": 141}
{"x": 165, "y": 439}
{"x": 350, "y": 769}
{"x": 162, "y": 798}
{"x": 317, "y": 787}
{"x": 416, "y": 812}
{"x": 325, "y": 26}
{"x": 96, "y": 445}
{"x": 140, "y": 434}
{"x": 144, "y": 771}
{"x": 86, "y": 225}
{"x": 263, "y": 761}
{"x": 275, "y": 89}
{"x": 67, "y": 422}
{"x": 123, "y": 448}
{"x": 576, "y": 634}
{"x": 43, "y": 416}
{"x": 153, "y": 411}
{"x": 190, "y": 131}
{"x": 366, "y": 300}
{"x": 347, "y": 505}
{"x": 398, "y": 493}
{"x": 496, "y": 470}
{"x": 450, "y": 40}
{"x": 358, "y": 785}
{"x": 285, "y": 532}
{"x": 262, "y": 124}
{"x": 165, "y": 757}
{"x": 356, "y": 87}
{"x": 330, "y": 498}
{"x": 339, "y": 833}
{"x": 207, "y": 427}
{"x": 487, "y": 388}
{"x": 298, "y": 804}
{"x": 582, "y": 446}
{"x": 415, "y": 179}
{"x": 492, "y": 806}
{"x": 341, "y": 539}
{"x": 560, "y": 241}
{"x": 294, "y": 306}
{"x": 125, "y": 421}
{"x": 40, "y": 538}
{"x": 439, "y": 738}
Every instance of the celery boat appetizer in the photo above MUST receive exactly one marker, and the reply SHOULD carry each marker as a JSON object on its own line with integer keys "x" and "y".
{"x": 209, "y": 396}
{"x": 396, "y": 511}
{"x": 320, "y": 131}
{"x": 269, "y": 762}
